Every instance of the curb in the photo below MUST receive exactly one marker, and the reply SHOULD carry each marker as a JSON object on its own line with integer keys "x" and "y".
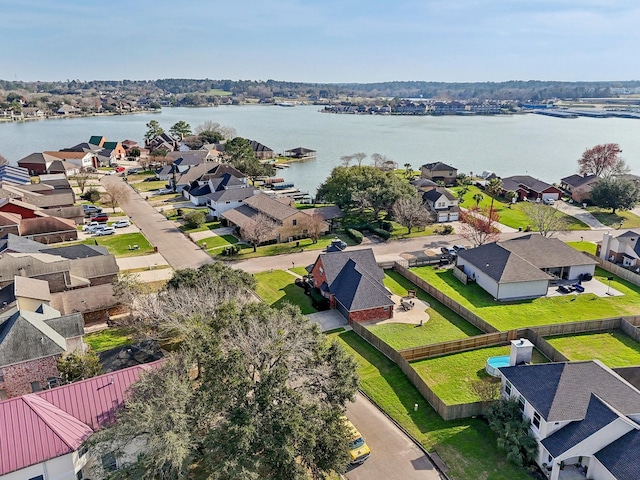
{"x": 443, "y": 475}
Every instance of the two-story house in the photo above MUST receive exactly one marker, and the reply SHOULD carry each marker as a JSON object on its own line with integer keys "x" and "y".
{"x": 623, "y": 249}
{"x": 443, "y": 204}
{"x": 439, "y": 172}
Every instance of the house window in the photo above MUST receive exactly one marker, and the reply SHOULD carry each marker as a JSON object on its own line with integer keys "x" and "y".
{"x": 83, "y": 451}
{"x": 79, "y": 475}
{"x": 295, "y": 222}
{"x": 109, "y": 462}
{"x": 35, "y": 386}
{"x": 39, "y": 477}
{"x": 521, "y": 403}
{"x": 507, "y": 388}
{"x": 536, "y": 420}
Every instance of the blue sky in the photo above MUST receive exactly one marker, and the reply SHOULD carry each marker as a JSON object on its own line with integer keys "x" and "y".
{"x": 320, "y": 40}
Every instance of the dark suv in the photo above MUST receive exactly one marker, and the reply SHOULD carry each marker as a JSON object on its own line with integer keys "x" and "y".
{"x": 90, "y": 209}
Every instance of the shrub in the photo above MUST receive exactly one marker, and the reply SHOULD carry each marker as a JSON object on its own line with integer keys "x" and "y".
{"x": 194, "y": 219}
{"x": 381, "y": 233}
{"x": 514, "y": 437}
{"x": 388, "y": 226}
{"x": 91, "y": 194}
{"x": 444, "y": 230}
{"x": 355, "y": 235}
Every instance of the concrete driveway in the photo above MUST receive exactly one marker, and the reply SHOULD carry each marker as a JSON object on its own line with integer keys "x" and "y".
{"x": 393, "y": 454}
{"x": 329, "y": 320}
{"x": 580, "y": 214}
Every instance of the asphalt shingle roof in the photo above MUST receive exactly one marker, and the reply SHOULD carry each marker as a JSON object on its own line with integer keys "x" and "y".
{"x": 621, "y": 457}
{"x": 356, "y": 289}
{"x": 513, "y": 183}
{"x": 562, "y": 391}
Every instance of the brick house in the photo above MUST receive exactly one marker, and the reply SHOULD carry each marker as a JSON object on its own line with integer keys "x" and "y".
{"x": 352, "y": 282}
{"x": 579, "y": 186}
{"x": 529, "y": 188}
{"x": 30, "y": 343}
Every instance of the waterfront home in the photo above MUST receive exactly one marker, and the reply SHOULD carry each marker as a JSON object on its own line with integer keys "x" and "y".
{"x": 261, "y": 151}
{"x": 439, "y": 172}
{"x": 529, "y": 188}
{"x": 578, "y": 186}
{"x": 442, "y": 203}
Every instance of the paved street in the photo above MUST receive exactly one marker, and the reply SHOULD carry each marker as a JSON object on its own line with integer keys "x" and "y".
{"x": 179, "y": 251}
{"x": 393, "y": 454}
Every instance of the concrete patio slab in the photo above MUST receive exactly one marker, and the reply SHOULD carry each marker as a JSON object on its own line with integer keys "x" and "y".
{"x": 329, "y": 320}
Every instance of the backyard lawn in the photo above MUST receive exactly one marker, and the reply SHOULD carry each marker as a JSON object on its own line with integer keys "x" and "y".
{"x": 467, "y": 446}
{"x": 121, "y": 245}
{"x": 108, "y": 338}
{"x": 513, "y": 217}
{"x": 203, "y": 228}
{"x": 443, "y": 324}
{"x": 588, "y": 247}
{"x": 614, "y": 349}
{"x": 539, "y": 311}
{"x": 278, "y": 286}
{"x": 452, "y": 377}
{"x": 628, "y": 219}
{"x": 217, "y": 241}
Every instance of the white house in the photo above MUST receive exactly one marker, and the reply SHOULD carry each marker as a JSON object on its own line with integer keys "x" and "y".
{"x": 584, "y": 417}
{"x": 443, "y": 203}
{"x": 623, "y": 249}
{"x": 523, "y": 267}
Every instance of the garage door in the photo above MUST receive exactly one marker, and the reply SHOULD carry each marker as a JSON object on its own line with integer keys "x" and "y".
{"x": 453, "y": 216}
{"x": 550, "y": 196}
{"x": 443, "y": 217}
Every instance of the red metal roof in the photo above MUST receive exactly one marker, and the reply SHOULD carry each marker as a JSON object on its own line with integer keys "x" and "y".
{"x": 45, "y": 425}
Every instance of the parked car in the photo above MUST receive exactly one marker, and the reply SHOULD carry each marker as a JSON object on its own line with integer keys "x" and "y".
{"x": 133, "y": 171}
{"x": 121, "y": 223}
{"x": 548, "y": 201}
{"x": 110, "y": 172}
{"x": 578, "y": 288}
{"x": 448, "y": 251}
{"x": 94, "y": 228}
{"x": 457, "y": 248}
{"x": 100, "y": 217}
{"x": 105, "y": 231}
{"x": 90, "y": 225}
{"x": 120, "y": 169}
{"x": 89, "y": 209}
{"x": 164, "y": 191}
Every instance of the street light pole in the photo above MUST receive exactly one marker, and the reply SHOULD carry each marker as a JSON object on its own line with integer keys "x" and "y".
{"x": 609, "y": 288}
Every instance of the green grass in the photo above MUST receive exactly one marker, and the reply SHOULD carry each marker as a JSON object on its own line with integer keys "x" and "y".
{"x": 218, "y": 241}
{"x": 451, "y": 377}
{"x": 202, "y": 228}
{"x": 278, "y": 286}
{"x": 289, "y": 247}
{"x": 118, "y": 244}
{"x": 403, "y": 232}
{"x": 513, "y": 217}
{"x": 539, "y": 311}
{"x": 443, "y": 324}
{"x": 108, "y": 338}
{"x": 605, "y": 216}
{"x": 467, "y": 446}
{"x": 149, "y": 186}
{"x": 302, "y": 271}
{"x": 614, "y": 349}
{"x": 219, "y": 92}
{"x": 588, "y": 247}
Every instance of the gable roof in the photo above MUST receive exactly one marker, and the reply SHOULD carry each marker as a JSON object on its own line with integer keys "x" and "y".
{"x": 231, "y": 195}
{"x": 436, "y": 193}
{"x": 31, "y": 288}
{"x": 544, "y": 252}
{"x": 576, "y": 180}
{"x": 515, "y": 182}
{"x": 278, "y": 209}
{"x": 334, "y": 262}
{"x": 598, "y": 416}
{"x": 357, "y": 289}
{"x": 15, "y": 243}
{"x": 73, "y": 252}
{"x": 41, "y": 225}
{"x": 621, "y": 457}
{"x": 257, "y": 147}
{"x": 560, "y": 392}
{"x": 437, "y": 166}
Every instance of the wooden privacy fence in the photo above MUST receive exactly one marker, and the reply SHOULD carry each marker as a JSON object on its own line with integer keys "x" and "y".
{"x": 621, "y": 272}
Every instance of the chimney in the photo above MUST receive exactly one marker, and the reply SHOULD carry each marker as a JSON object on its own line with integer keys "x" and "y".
{"x": 605, "y": 247}
{"x": 521, "y": 351}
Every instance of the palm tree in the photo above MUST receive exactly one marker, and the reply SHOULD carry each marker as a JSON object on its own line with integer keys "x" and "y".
{"x": 493, "y": 189}
{"x": 408, "y": 169}
{"x": 478, "y": 197}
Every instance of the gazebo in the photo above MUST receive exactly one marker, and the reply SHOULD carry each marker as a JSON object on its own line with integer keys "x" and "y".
{"x": 300, "y": 152}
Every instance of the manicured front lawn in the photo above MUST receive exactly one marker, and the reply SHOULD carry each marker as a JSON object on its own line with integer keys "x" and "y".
{"x": 289, "y": 247}
{"x": 108, "y": 338}
{"x": 451, "y": 377}
{"x": 149, "y": 186}
{"x": 302, "y": 271}
{"x": 614, "y": 349}
{"x": 121, "y": 245}
{"x": 278, "y": 287}
{"x": 628, "y": 219}
{"x": 217, "y": 241}
{"x": 539, "y": 311}
{"x": 588, "y": 247}
{"x": 443, "y": 324}
{"x": 467, "y": 446}
{"x": 203, "y": 228}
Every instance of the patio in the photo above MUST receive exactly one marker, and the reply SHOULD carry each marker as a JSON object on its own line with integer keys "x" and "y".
{"x": 571, "y": 472}
{"x": 592, "y": 286}
{"x": 415, "y": 315}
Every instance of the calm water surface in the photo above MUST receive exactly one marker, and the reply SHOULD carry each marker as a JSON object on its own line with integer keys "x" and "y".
{"x": 543, "y": 147}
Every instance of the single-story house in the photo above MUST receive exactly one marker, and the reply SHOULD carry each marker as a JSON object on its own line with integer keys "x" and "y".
{"x": 439, "y": 172}
{"x": 48, "y": 229}
{"x": 37, "y": 163}
{"x": 523, "y": 267}
{"x": 529, "y": 188}
{"x": 578, "y": 186}
{"x": 584, "y": 417}
{"x": 353, "y": 284}
{"x": 9, "y": 223}
{"x": 623, "y": 249}
{"x": 442, "y": 203}
{"x": 289, "y": 223}
{"x": 79, "y": 159}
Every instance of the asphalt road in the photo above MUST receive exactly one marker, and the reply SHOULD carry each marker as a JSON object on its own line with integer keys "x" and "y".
{"x": 173, "y": 245}
{"x": 393, "y": 454}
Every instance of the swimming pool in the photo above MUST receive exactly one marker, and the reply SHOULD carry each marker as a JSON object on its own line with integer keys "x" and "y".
{"x": 493, "y": 363}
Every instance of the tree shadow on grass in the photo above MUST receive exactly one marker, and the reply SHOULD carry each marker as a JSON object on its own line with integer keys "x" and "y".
{"x": 296, "y": 296}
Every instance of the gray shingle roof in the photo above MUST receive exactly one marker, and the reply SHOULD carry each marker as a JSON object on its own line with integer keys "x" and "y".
{"x": 335, "y": 261}
{"x": 513, "y": 183}
{"x": 77, "y": 251}
{"x": 356, "y": 289}
{"x": 436, "y": 193}
{"x": 438, "y": 166}
{"x": 562, "y": 391}
{"x": 270, "y": 206}
{"x": 545, "y": 252}
{"x": 231, "y": 195}
{"x": 576, "y": 180}
{"x": 598, "y": 416}
{"x": 621, "y": 457}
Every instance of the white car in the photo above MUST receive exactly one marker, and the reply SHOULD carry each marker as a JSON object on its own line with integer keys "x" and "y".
{"x": 548, "y": 201}
{"x": 105, "y": 231}
{"x": 96, "y": 228}
{"x": 121, "y": 223}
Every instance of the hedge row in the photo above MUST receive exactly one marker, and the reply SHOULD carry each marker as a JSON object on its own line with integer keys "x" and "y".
{"x": 355, "y": 235}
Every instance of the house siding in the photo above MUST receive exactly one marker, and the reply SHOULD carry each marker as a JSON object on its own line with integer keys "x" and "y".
{"x": 507, "y": 291}
{"x": 18, "y": 377}
{"x": 379, "y": 313}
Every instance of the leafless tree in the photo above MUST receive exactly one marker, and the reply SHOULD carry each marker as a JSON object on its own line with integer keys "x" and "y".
{"x": 82, "y": 178}
{"x": 258, "y": 230}
{"x": 209, "y": 126}
{"x": 359, "y": 157}
{"x": 479, "y": 225}
{"x": 346, "y": 160}
{"x": 114, "y": 194}
{"x": 316, "y": 226}
{"x": 410, "y": 212}
{"x": 3, "y": 160}
{"x": 546, "y": 219}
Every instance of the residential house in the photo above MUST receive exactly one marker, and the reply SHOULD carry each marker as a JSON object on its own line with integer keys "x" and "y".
{"x": 18, "y": 207}
{"x": 439, "y": 172}
{"x": 579, "y": 186}
{"x": 330, "y": 214}
{"x": 289, "y": 223}
{"x": 181, "y": 162}
{"x": 262, "y": 152}
{"x": 129, "y": 144}
{"x": 30, "y": 344}
{"x": 353, "y": 284}
{"x": 423, "y": 184}
{"x": 25, "y": 294}
{"x": 9, "y": 223}
{"x": 49, "y": 229}
{"x": 98, "y": 140}
{"x": 67, "y": 110}
{"x": 12, "y": 243}
{"x": 79, "y": 159}
{"x": 522, "y": 267}
{"x": 221, "y": 188}
{"x": 37, "y": 163}
{"x": 622, "y": 249}
{"x": 42, "y": 195}
{"x": 42, "y": 434}
{"x": 117, "y": 150}
{"x": 165, "y": 140}
{"x": 584, "y": 417}
{"x": 443, "y": 204}
{"x": 15, "y": 175}
{"x": 529, "y": 188}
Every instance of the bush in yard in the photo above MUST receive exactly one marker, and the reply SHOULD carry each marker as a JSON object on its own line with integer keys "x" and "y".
{"x": 444, "y": 230}
{"x": 195, "y": 219}
{"x": 512, "y": 430}
{"x": 355, "y": 235}
{"x": 388, "y": 226}
{"x": 92, "y": 195}
{"x": 381, "y": 233}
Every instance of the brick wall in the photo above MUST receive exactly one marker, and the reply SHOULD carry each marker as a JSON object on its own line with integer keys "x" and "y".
{"x": 318, "y": 277}
{"x": 18, "y": 377}
{"x": 371, "y": 314}
{"x": 103, "y": 280}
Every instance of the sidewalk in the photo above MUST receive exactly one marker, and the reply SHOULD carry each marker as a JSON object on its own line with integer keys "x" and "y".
{"x": 211, "y": 233}
{"x": 142, "y": 261}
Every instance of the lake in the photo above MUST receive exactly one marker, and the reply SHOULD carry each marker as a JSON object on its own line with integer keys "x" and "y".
{"x": 544, "y": 147}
